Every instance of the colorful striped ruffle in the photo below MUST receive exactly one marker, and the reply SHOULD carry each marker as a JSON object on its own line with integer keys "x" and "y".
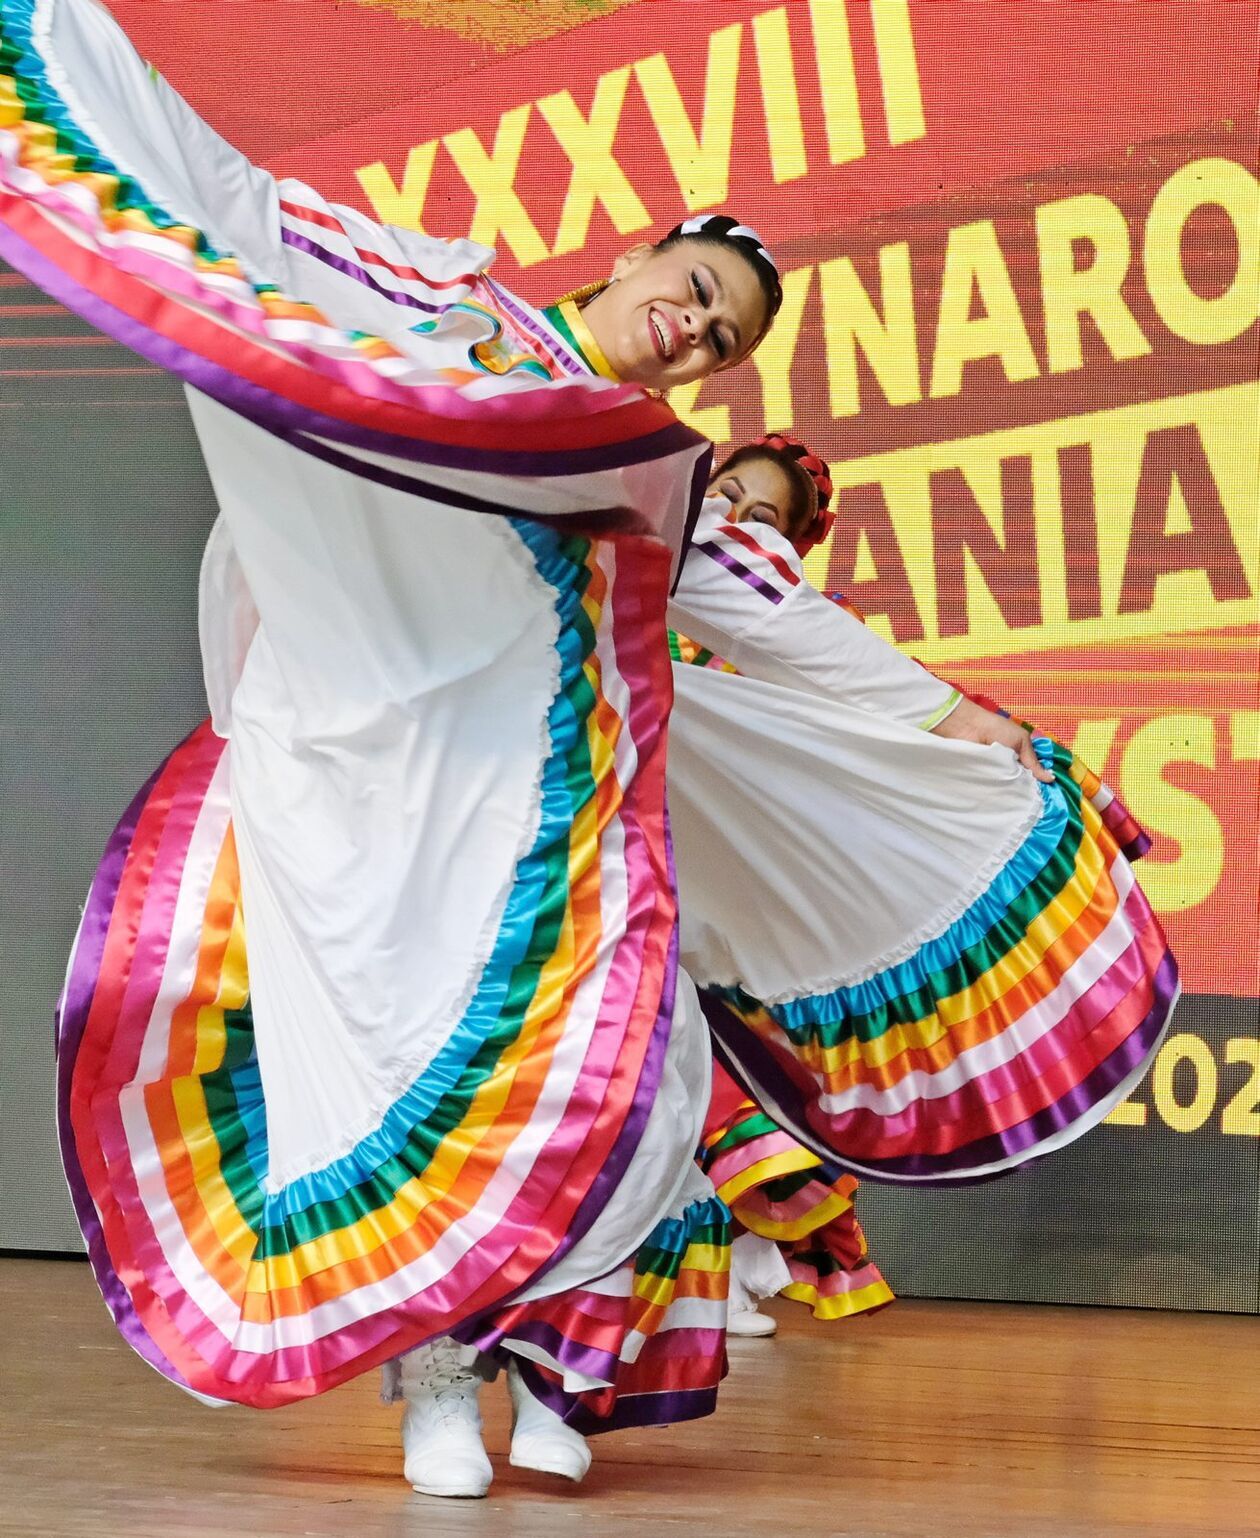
{"x": 95, "y": 238}
{"x": 781, "y": 1191}
{"x": 695, "y": 655}
{"x": 495, "y": 1159}
{"x": 1123, "y": 829}
{"x": 654, "y": 1332}
{"x": 1008, "y": 1034}
{"x": 832, "y": 1272}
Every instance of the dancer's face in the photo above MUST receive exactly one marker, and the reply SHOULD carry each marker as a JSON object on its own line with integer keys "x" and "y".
{"x": 759, "y": 491}
{"x": 673, "y": 316}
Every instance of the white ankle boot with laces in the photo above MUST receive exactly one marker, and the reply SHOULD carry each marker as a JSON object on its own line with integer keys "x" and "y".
{"x": 443, "y": 1453}
{"x": 441, "y": 1428}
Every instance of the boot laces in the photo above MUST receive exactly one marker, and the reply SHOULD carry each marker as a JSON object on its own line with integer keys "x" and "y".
{"x": 452, "y": 1385}
{"x": 453, "y": 1401}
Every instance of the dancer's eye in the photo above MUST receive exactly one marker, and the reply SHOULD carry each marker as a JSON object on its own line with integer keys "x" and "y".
{"x": 718, "y": 340}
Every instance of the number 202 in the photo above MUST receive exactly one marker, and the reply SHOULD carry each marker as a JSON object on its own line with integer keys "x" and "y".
{"x": 1240, "y": 1116}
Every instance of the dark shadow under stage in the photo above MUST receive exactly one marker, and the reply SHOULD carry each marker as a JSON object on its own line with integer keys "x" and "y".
{"x": 931, "y": 1420}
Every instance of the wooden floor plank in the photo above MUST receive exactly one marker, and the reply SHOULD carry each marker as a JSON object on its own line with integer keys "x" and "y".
{"x": 931, "y": 1420}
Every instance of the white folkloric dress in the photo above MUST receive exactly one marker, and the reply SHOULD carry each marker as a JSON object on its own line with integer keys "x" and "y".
{"x": 374, "y": 1028}
{"x": 920, "y": 961}
{"x": 969, "y": 930}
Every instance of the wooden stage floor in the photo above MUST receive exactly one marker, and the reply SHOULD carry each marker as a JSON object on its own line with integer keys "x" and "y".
{"x": 931, "y": 1420}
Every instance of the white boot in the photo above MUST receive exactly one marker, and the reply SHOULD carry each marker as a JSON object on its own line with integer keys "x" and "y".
{"x": 441, "y": 1426}
{"x": 758, "y": 1270}
{"x": 540, "y": 1439}
{"x": 743, "y": 1318}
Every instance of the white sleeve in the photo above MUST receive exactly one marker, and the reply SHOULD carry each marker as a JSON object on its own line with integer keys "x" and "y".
{"x": 151, "y": 134}
{"x": 371, "y": 277}
{"x": 743, "y": 594}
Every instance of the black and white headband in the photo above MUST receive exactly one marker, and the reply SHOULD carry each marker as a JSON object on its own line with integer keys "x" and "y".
{"x": 742, "y": 236}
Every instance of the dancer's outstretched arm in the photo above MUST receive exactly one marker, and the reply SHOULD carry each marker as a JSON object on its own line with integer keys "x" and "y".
{"x": 743, "y": 593}
{"x": 147, "y": 131}
{"x": 124, "y": 114}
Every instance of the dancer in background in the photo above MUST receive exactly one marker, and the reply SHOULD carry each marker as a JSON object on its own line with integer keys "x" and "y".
{"x": 797, "y": 1231}
{"x": 375, "y": 1040}
{"x": 800, "y": 1233}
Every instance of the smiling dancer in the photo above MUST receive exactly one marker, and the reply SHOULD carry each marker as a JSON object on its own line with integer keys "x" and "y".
{"x": 374, "y": 1039}
{"x": 373, "y": 1032}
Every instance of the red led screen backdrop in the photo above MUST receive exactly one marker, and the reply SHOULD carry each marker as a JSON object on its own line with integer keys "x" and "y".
{"x": 1021, "y": 251}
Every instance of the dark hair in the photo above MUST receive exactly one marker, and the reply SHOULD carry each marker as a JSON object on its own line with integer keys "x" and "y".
{"x": 803, "y": 506}
{"x": 723, "y": 231}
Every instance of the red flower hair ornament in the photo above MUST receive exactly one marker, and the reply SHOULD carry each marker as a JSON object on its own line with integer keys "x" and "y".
{"x": 790, "y": 448}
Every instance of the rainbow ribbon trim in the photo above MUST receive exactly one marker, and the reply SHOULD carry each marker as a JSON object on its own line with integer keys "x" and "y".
{"x": 1005, "y": 1036}
{"x": 782, "y": 1192}
{"x": 240, "y": 1292}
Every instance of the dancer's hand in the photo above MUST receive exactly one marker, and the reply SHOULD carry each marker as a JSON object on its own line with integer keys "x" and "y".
{"x": 970, "y": 722}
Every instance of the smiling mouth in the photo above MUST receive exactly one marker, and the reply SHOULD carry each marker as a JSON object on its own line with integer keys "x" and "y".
{"x": 662, "y": 336}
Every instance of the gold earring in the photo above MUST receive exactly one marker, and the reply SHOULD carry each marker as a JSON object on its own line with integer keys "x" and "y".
{"x": 585, "y": 294}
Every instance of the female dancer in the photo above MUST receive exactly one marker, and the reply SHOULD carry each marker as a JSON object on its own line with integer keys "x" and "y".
{"x": 779, "y": 494}
{"x": 797, "y": 1231}
{"x": 374, "y": 1032}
